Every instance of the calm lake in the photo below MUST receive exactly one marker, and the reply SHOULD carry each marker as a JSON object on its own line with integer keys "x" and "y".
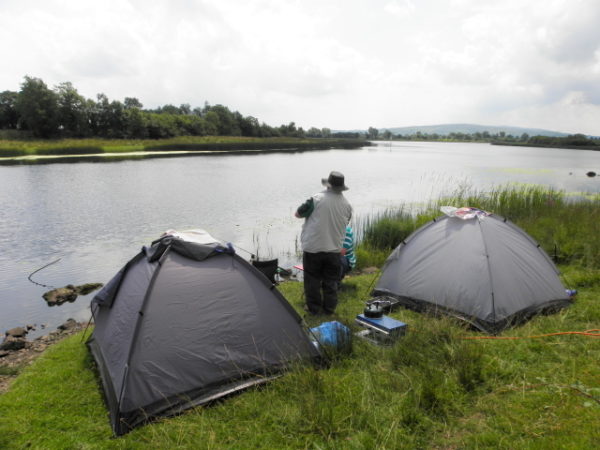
{"x": 95, "y": 216}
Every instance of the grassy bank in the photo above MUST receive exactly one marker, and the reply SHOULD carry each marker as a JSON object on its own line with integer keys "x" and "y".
{"x": 435, "y": 388}
{"x": 15, "y": 148}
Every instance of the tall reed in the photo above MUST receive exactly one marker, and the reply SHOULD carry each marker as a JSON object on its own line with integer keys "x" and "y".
{"x": 566, "y": 226}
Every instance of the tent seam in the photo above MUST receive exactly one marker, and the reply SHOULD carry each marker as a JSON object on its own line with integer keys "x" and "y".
{"x": 137, "y": 326}
{"x": 487, "y": 258}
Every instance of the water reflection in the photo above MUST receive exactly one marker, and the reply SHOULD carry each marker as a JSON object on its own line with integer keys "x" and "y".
{"x": 116, "y": 157}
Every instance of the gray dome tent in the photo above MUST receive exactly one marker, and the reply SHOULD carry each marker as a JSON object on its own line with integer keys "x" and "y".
{"x": 484, "y": 270}
{"x": 187, "y": 322}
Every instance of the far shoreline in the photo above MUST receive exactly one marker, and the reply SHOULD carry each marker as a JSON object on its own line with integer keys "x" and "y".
{"x": 118, "y": 156}
{"x": 34, "y": 150}
{"x": 564, "y": 147}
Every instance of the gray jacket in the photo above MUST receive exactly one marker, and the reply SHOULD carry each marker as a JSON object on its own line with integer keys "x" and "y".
{"x": 325, "y": 227}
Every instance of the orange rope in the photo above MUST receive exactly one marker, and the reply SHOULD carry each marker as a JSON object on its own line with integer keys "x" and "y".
{"x": 591, "y": 333}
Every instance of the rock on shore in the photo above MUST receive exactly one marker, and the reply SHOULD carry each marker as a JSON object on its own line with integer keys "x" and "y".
{"x": 69, "y": 293}
{"x": 16, "y": 351}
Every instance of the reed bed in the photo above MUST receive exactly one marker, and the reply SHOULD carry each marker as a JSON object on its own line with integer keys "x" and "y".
{"x": 14, "y": 148}
{"x": 567, "y": 226}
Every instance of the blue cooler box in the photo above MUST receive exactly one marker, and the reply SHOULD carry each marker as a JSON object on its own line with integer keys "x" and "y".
{"x": 333, "y": 334}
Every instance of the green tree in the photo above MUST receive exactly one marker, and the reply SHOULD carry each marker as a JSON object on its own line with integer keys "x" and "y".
{"x": 372, "y": 133}
{"x": 313, "y": 133}
{"x": 132, "y": 102}
{"x": 190, "y": 124}
{"x": 288, "y": 130}
{"x": 268, "y": 131}
{"x": 249, "y": 126}
{"x": 227, "y": 125}
{"x": 73, "y": 113}
{"x": 169, "y": 109}
{"x": 212, "y": 123}
{"x": 161, "y": 126}
{"x": 37, "y": 106}
{"x": 135, "y": 123}
{"x": 185, "y": 108}
{"x": 9, "y": 117}
{"x": 577, "y": 139}
{"x": 108, "y": 118}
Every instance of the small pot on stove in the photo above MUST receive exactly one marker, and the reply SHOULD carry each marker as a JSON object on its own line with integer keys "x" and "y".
{"x": 373, "y": 310}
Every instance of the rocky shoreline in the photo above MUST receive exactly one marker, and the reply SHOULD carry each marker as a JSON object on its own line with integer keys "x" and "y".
{"x": 16, "y": 351}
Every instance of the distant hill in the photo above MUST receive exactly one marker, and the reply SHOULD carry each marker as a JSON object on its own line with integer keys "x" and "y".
{"x": 468, "y": 128}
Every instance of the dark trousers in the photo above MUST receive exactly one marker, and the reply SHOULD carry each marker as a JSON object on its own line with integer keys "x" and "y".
{"x": 321, "y": 275}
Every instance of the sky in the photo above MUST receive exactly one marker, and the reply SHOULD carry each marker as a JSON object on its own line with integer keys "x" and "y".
{"x": 322, "y": 63}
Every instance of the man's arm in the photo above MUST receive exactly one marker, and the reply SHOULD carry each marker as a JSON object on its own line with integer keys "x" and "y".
{"x": 305, "y": 209}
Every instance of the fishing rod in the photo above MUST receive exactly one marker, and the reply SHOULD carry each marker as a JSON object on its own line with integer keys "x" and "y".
{"x": 36, "y": 271}
{"x": 254, "y": 257}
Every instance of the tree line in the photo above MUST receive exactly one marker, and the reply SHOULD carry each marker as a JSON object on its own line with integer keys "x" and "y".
{"x": 573, "y": 140}
{"x": 62, "y": 112}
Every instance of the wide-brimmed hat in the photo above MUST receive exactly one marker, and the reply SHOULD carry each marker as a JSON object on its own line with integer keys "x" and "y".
{"x": 335, "y": 181}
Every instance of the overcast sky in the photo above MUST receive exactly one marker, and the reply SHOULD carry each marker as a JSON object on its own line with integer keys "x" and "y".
{"x": 325, "y": 63}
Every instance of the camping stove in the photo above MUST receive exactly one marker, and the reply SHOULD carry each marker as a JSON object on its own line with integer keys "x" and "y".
{"x": 381, "y": 330}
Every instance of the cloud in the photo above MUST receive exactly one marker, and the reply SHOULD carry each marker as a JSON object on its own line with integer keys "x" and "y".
{"x": 572, "y": 113}
{"x": 569, "y": 36}
{"x": 327, "y": 63}
{"x": 403, "y": 8}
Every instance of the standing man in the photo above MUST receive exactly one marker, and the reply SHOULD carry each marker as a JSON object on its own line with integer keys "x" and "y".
{"x": 326, "y": 215}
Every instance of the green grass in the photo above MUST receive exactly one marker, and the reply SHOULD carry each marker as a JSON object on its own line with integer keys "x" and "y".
{"x": 14, "y": 148}
{"x": 433, "y": 389}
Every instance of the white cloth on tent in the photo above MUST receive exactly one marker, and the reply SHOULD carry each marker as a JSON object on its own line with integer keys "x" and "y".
{"x": 197, "y": 236}
{"x": 464, "y": 213}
